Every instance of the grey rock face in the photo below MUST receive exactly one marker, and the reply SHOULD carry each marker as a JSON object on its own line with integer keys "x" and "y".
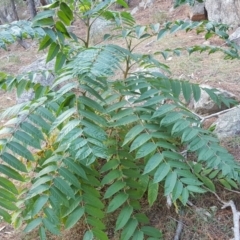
{"x": 235, "y": 36}
{"x": 198, "y": 12}
{"x": 224, "y": 11}
{"x": 228, "y": 124}
{"x": 44, "y": 80}
{"x": 206, "y": 106}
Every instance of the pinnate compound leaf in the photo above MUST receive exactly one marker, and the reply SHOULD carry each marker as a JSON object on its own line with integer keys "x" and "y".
{"x": 74, "y": 217}
{"x": 170, "y": 183}
{"x": 129, "y": 229}
{"x": 153, "y": 162}
{"x": 189, "y": 134}
{"x": 123, "y": 217}
{"x": 114, "y": 188}
{"x": 161, "y": 172}
{"x": 152, "y": 193}
{"x": 117, "y": 201}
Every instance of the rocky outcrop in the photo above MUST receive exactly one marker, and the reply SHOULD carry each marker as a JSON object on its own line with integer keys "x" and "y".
{"x": 205, "y": 105}
{"x": 39, "y": 77}
{"x": 235, "y": 36}
{"x": 198, "y": 12}
{"x": 228, "y": 124}
{"x": 224, "y": 11}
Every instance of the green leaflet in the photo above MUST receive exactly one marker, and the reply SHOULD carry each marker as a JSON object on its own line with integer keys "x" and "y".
{"x": 74, "y": 217}
{"x": 60, "y": 119}
{"x": 117, "y": 201}
{"x": 33, "y": 224}
{"x": 177, "y": 191}
{"x": 93, "y": 221}
{"x": 161, "y": 172}
{"x": 152, "y": 193}
{"x": 112, "y": 175}
{"x": 53, "y": 51}
{"x": 11, "y": 173}
{"x": 124, "y": 217}
{"x": 70, "y": 177}
{"x": 20, "y": 150}
{"x": 129, "y": 229}
{"x": 51, "y": 227}
{"x": 64, "y": 187}
{"x": 133, "y": 133}
{"x": 42, "y": 233}
{"x": 27, "y": 139}
{"x": 170, "y": 183}
{"x": 163, "y": 110}
{"x": 187, "y": 91}
{"x": 14, "y": 162}
{"x": 146, "y": 149}
{"x": 152, "y": 232}
{"x": 38, "y": 205}
{"x": 153, "y": 162}
{"x": 88, "y": 235}
{"x": 138, "y": 235}
{"x": 139, "y": 141}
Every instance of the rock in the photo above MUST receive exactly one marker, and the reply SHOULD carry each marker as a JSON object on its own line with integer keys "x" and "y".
{"x": 100, "y": 27}
{"x": 45, "y": 80}
{"x": 205, "y": 105}
{"x": 198, "y": 12}
{"x": 228, "y": 124}
{"x": 223, "y": 11}
{"x": 146, "y": 3}
{"x": 235, "y": 36}
{"x": 134, "y": 11}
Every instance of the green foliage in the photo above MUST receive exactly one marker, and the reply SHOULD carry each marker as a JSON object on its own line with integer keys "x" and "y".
{"x": 95, "y": 143}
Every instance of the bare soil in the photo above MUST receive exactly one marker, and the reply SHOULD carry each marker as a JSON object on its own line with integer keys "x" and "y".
{"x": 198, "y": 68}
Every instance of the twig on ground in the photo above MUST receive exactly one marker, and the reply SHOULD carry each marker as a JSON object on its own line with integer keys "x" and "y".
{"x": 179, "y": 226}
{"x": 236, "y": 217}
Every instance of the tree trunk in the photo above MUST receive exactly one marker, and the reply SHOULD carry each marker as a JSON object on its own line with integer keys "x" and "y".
{"x": 3, "y": 18}
{"x": 43, "y": 2}
{"x": 32, "y": 8}
{"x": 14, "y": 10}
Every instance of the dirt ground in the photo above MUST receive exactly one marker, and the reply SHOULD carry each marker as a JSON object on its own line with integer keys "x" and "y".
{"x": 199, "y": 68}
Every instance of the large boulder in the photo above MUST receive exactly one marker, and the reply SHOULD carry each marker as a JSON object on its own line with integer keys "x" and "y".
{"x": 39, "y": 68}
{"x": 205, "y": 105}
{"x": 228, "y": 124}
{"x": 224, "y": 11}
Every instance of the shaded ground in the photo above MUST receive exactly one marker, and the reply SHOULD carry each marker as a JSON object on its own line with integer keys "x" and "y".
{"x": 199, "y": 68}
